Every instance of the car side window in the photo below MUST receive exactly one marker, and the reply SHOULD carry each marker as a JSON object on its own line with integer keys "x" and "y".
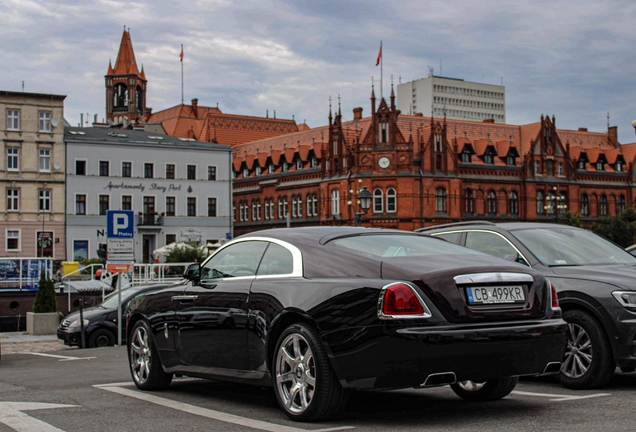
{"x": 276, "y": 261}
{"x": 236, "y": 260}
{"x": 489, "y": 243}
{"x": 449, "y": 237}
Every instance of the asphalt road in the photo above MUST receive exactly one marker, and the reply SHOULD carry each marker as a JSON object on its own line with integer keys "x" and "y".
{"x": 91, "y": 390}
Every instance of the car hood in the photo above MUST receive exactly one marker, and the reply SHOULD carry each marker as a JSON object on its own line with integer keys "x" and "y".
{"x": 89, "y": 313}
{"x": 623, "y": 275}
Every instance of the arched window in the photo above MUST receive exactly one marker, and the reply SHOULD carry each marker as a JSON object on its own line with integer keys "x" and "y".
{"x": 139, "y": 100}
{"x": 294, "y": 213}
{"x": 602, "y": 205}
{"x": 540, "y": 198}
{"x": 120, "y": 96}
{"x": 391, "y": 203}
{"x": 469, "y": 201}
{"x": 440, "y": 200}
{"x": 585, "y": 205}
{"x": 620, "y": 206}
{"x": 378, "y": 206}
{"x": 492, "y": 202}
{"x": 513, "y": 203}
{"x": 335, "y": 202}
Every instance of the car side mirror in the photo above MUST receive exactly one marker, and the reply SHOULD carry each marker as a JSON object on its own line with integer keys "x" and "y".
{"x": 193, "y": 272}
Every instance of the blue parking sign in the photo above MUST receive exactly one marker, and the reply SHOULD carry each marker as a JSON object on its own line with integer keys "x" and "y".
{"x": 120, "y": 223}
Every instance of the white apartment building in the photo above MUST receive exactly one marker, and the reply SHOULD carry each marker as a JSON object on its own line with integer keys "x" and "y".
{"x": 180, "y": 189}
{"x": 458, "y": 99}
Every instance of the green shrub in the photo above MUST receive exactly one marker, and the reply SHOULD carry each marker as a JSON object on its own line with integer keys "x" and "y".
{"x": 45, "y": 300}
{"x": 185, "y": 254}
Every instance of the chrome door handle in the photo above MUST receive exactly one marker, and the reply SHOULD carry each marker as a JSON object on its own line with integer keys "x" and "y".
{"x": 185, "y": 298}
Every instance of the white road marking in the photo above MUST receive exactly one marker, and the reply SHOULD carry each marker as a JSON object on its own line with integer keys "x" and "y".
{"x": 64, "y": 358}
{"x": 212, "y": 414}
{"x": 11, "y": 415}
{"x": 560, "y": 398}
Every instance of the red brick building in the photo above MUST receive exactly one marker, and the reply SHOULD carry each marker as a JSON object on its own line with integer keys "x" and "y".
{"x": 425, "y": 171}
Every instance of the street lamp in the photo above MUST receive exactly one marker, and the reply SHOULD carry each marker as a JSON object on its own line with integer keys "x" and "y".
{"x": 634, "y": 125}
{"x": 364, "y": 200}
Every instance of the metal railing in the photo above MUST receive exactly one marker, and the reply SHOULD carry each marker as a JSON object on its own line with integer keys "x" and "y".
{"x": 158, "y": 273}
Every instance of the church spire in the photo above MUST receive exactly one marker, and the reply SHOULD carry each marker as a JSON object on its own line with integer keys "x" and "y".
{"x": 126, "y": 63}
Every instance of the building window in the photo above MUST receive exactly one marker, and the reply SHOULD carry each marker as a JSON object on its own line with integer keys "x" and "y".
{"x": 285, "y": 166}
{"x": 600, "y": 166}
{"x": 391, "y": 203}
{"x": 585, "y": 205}
{"x": 171, "y": 238}
{"x": 514, "y": 203}
{"x": 13, "y": 199}
{"x": 13, "y": 120}
{"x": 80, "y": 204}
{"x": 13, "y": 240}
{"x": 549, "y": 167}
{"x": 378, "y": 201}
{"x": 45, "y": 160}
{"x": 258, "y": 171}
{"x": 253, "y": 210}
{"x": 469, "y": 201}
{"x": 80, "y": 167}
{"x": 12, "y": 159}
{"x": 335, "y": 202}
{"x": 270, "y": 168}
{"x": 170, "y": 206}
{"x": 294, "y": 212}
{"x": 126, "y": 169}
{"x": 212, "y": 207}
{"x": 299, "y": 206}
{"x": 510, "y": 160}
{"x": 620, "y": 204}
{"x": 258, "y": 209}
{"x": 126, "y": 202}
{"x": 45, "y": 122}
{"x": 437, "y": 143}
{"x": 466, "y": 157}
{"x": 537, "y": 167}
{"x": 299, "y": 164}
{"x": 104, "y": 170}
{"x": 492, "y": 202}
{"x": 271, "y": 208}
{"x": 170, "y": 171}
{"x": 314, "y": 162}
{"x": 560, "y": 169}
{"x": 211, "y": 173}
{"x": 149, "y": 170}
{"x": 246, "y": 173}
{"x": 602, "y": 205}
{"x": 384, "y": 132}
{"x": 618, "y": 167}
{"x": 104, "y": 204}
{"x": 192, "y": 206}
{"x": 192, "y": 172}
{"x": 540, "y": 199}
{"x": 45, "y": 200}
{"x": 440, "y": 200}
{"x": 488, "y": 159}
{"x": 581, "y": 164}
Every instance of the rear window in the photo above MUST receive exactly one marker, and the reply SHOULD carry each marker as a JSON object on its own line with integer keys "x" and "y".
{"x": 393, "y": 245}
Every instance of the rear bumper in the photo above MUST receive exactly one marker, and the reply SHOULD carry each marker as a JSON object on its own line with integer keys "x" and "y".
{"x": 399, "y": 356}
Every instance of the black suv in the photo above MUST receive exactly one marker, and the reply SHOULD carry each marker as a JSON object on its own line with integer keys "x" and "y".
{"x": 595, "y": 280}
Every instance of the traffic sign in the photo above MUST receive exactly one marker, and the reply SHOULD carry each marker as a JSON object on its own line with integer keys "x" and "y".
{"x": 120, "y": 267}
{"x": 120, "y": 224}
{"x": 121, "y": 249}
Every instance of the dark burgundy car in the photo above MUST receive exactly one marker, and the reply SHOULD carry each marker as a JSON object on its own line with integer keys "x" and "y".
{"x": 317, "y": 312}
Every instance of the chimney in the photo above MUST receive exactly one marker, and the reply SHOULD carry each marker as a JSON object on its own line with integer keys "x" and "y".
{"x": 195, "y": 107}
{"x": 357, "y": 113}
{"x": 489, "y": 120}
{"x": 612, "y": 131}
{"x": 582, "y": 129}
{"x": 147, "y": 113}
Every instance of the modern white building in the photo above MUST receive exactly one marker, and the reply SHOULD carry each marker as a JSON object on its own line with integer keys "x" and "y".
{"x": 456, "y": 98}
{"x": 180, "y": 189}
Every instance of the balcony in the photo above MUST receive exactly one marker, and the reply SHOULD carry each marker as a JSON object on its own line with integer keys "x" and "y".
{"x": 150, "y": 219}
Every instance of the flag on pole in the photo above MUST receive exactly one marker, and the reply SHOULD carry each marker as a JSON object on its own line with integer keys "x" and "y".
{"x": 181, "y": 55}
{"x": 377, "y": 61}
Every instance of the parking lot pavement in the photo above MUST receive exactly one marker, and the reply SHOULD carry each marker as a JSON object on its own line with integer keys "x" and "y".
{"x": 20, "y": 342}
{"x": 91, "y": 390}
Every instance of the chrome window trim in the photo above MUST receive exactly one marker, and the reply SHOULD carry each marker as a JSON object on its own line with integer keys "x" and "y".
{"x": 297, "y": 258}
{"x": 486, "y": 231}
{"x": 426, "y": 314}
{"x": 492, "y": 277}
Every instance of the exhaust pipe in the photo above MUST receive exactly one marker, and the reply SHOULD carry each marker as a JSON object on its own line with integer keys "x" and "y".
{"x": 552, "y": 368}
{"x": 439, "y": 379}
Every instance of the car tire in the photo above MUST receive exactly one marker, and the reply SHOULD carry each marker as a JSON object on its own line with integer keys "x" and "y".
{"x": 588, "y": 361}
{"x": 143, "y": 358}
{"x": 489, "y": 390}
{"x": 101, "y": 338}
{"x": 305, "y": 384}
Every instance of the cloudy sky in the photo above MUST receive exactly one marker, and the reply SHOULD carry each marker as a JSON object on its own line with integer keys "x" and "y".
{"x": 571, "y": 59}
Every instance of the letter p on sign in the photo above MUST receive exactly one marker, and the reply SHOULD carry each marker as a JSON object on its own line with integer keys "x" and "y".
{"x": 120, "y": 223}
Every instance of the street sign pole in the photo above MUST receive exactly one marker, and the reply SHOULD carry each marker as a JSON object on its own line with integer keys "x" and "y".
{"x": 120, "y": 325}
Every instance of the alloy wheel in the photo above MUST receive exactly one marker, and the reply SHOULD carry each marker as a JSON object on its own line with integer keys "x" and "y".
{"x": 578, "y": 353}
{"x": 140, "y": 357}
{"x": 295, "y": 373}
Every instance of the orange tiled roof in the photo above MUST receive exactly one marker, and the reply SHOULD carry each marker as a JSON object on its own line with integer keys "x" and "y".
{"x": 629, "y": 151}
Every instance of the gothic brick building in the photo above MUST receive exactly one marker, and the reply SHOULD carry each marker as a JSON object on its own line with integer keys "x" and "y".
{"x": 425, "y": 171}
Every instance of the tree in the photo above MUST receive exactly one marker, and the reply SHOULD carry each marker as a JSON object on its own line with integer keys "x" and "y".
{"x": 45, "y": 300}
{"x": 572, "y": 219}
{"x": 620, "y": 229}
{"x": 185, "y": 253}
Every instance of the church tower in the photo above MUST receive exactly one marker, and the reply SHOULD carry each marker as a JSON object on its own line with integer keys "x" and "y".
{"x": 125, "y": 86}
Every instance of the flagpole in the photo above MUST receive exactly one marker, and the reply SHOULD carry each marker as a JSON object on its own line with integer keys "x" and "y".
{"x": 381, "y": 60}
{"x": 181, "y": 74}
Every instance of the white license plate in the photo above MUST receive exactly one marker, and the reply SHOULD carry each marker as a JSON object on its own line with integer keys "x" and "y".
{"x": 495, "y": 294}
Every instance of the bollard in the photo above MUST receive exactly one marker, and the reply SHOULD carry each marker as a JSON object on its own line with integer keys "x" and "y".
{"x": 82, "y": 330}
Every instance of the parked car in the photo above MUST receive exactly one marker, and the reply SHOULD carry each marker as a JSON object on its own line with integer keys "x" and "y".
{"x": 100, "y": 322}
{"x": 320, "y": 311}
{"x": 595, "y": 281}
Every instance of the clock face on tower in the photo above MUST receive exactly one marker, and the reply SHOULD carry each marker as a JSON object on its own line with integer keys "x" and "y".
{"x": 384, "y": 162}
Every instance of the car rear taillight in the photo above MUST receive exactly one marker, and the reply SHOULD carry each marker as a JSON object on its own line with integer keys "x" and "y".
{"x": 554, "y": 296}
{"x": 399, "y": 300}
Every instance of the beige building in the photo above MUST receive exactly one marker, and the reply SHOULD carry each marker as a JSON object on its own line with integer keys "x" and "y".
{"x": 32, "y": 175}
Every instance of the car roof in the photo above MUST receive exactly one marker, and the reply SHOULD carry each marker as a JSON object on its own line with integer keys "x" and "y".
{"x": 321, "y": 235}
{"x": 504, "y": 226}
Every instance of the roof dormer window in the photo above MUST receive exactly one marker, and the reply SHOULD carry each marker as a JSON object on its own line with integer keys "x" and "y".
{"x": 510, "y": 160}
{"x": 246, "y": 173}
{"x": 466, "y": 157}
{"x": 600, "y": 166}
{"x": 488, "y": 159}
{"x": 581, "y": 164}
{"x": 618, "y": 167}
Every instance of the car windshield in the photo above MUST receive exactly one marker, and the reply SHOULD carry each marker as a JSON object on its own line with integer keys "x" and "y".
{"x": 571, "y": 246}
{"x": 393, "y": 245}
